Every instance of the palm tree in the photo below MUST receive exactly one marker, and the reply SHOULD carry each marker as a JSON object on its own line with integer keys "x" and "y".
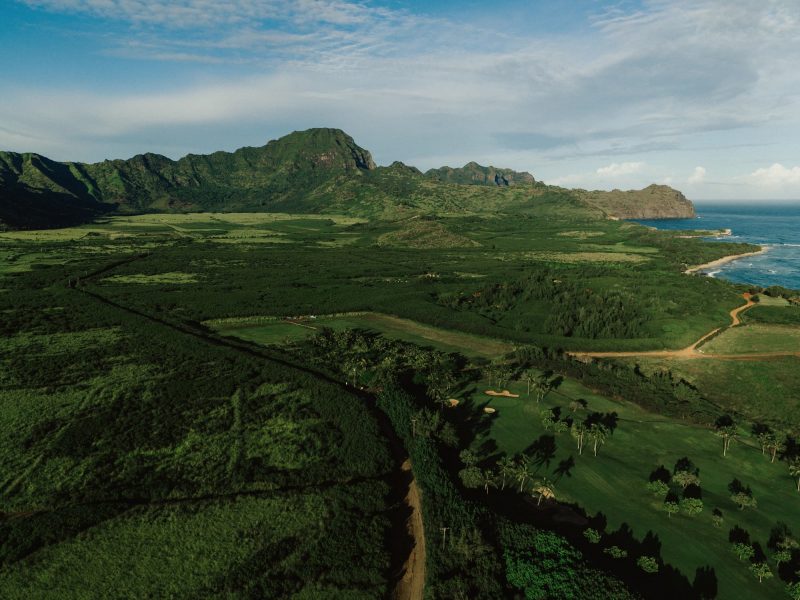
{"x": 794, "y": 470}
{"x": 598, "y": 432}
{"x": 774, "y": 445}
{"x": 544, "y": 488}
{"x": 543, "y": 386}
{"x": 578, "y": 431}
{"x": 529, "y": 378}
{"x": 726, "y": 429}
{"x": 521, "y": 471}
{"x": 488, "y": 479}
{"x": 505, "y": 468}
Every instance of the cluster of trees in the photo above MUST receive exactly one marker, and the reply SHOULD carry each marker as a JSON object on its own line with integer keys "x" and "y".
{"x": 680, "y": 488}
{"x": 659, "y": 392}
{"x": 574, "y": 309}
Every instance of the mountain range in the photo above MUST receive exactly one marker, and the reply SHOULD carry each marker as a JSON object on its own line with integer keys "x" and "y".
{"x": 318, "y": 170}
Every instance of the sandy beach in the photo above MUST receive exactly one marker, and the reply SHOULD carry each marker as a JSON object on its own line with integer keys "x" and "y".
{"x": 723, "y": 261}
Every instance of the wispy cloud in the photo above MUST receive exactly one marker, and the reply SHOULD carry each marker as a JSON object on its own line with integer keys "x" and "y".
{"x": 656, "y": 78}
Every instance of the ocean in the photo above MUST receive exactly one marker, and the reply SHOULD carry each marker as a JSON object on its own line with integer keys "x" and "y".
{"x": 776, "y": 226}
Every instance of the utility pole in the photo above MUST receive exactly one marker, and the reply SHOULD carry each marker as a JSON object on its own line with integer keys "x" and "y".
{"x": 444, "y": 535}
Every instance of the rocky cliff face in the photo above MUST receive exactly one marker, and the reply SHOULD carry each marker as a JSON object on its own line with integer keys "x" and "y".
{"x": 653, "y": 202}
{"x": 474, "y": 174}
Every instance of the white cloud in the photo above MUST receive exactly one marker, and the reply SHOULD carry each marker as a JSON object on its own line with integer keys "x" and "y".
{"x": 202, "y": 13}
{"x": 620, "y": 169}
{"x": 638, "y": 84}
{"x": 776, "y": 175}
{"x": 697, "y": 176}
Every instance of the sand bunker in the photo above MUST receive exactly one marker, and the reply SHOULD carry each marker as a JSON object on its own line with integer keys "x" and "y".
{"x": 504, "y": 394}
{"x": 453, "y": 402}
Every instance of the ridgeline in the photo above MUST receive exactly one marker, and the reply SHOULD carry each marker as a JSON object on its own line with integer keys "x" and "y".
{"x": 313, "y": 171}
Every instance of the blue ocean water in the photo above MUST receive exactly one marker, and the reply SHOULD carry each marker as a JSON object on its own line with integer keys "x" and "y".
{"x": 776, "y": 226}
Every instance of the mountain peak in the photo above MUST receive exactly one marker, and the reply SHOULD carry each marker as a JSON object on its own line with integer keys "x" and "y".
{"x": 474, "y": 174}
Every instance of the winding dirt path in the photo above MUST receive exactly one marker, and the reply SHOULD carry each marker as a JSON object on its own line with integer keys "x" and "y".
{"x": 412, "y": 584}
{"x": 692, "y": 350}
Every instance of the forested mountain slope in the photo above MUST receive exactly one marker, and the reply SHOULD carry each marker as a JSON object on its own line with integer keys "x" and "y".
{"x": 318, "y": 170}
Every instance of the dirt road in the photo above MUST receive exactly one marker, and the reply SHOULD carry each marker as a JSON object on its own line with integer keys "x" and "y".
{"x": 692, "y": 350}
{"x": 412, "y": 585}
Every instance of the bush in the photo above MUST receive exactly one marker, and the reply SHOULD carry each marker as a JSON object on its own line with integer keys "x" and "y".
{"x": 648, "y": 564}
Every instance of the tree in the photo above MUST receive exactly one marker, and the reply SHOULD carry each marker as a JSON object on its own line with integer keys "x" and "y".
{"x": 488, "y": 479}
{"x": 439, "y": 386}
{"x": 761, "y": 570}
{"x": 658, "y": 488}
{"x": 578, "y": 431}
{"x": 505, "y": 468}
{"x": 548, "y": 419}
{"x": 763, "y": 433}
{"x": 648, "y": 564}
{"x": 503, "y": 375}
{"x": 793, "y": 589}
{"x": 522, "y": 471}
{"x": 691, "y": 506}
{"x": 743, "y": 551}
{"x": 471, "y": 477}
{"x": 544, "y": 488}
{"x": 468, "y": 457}
{"x": 670, "y": 507}
{"x": 543, "y": 385}
{"x": 598, "y": 433}
{"x": 726, "y": 429}
{"x": 741, "y": 495}
{"x": 716, "y": 517}
{"x": 615, "y": 552}
{"x": 448, "y": 435}
{"x": 592, "y": 535}
{"x": 579, "y": 404}
{"x": 794, "y": 469}
{"x": 685, "y": 479}
{"x": 774, "y": 445}
{"x": 529, "y": 377}
{"x": 426, "y": 422}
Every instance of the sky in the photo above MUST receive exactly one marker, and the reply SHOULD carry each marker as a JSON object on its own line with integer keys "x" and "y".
{"x": 702, "y": 95}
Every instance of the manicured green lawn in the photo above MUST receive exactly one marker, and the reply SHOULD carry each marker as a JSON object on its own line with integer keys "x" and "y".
{"x": 614, "y": 482}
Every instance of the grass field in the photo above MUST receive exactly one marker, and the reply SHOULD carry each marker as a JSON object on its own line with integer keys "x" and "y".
{"x": 781, "y": 314}
{"x": 642, "y": 442}
{"x": 760, "y": 390}
{"x": 281, "y": 331}
{"x": 754, "y": 338}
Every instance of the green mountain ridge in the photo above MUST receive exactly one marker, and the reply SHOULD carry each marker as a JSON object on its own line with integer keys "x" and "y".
{"x": 474, "y": 174}
{"x": 313, "y": 171}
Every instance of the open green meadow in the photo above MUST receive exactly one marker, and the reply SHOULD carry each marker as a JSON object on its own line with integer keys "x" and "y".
{"x": 760, "y": 389}
{"x": 756, "y": 338}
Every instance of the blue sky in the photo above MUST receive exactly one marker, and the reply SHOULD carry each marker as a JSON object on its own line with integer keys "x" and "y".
{"x": 703, "y": 95}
